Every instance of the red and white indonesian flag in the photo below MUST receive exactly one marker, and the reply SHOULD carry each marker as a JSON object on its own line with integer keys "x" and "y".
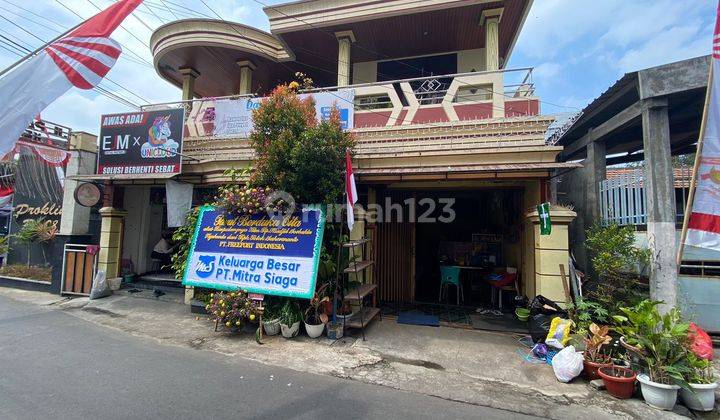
{"x": 81, "y": 59}
{"x": 350, "y": 189}
{"x": 704, "y": 223}
{"x": 6, "y": 196}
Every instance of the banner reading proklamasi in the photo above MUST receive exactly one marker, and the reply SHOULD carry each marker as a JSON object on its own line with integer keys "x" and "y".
{"x": 256, "y": 253}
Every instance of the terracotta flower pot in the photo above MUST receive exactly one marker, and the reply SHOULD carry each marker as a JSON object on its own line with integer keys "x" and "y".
{"x": 590, "y": 369}
{"x": 619, "y": 381}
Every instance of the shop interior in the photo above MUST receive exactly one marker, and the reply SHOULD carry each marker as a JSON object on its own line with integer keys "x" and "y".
{"x": 467, "y": 271}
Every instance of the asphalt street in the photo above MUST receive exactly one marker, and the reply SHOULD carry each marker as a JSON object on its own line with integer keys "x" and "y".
{"x": 56, "y": 366}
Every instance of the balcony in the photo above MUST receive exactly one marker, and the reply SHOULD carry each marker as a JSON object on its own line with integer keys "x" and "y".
{"x": 445, "y": 126}
{"x": 419, "y": 102}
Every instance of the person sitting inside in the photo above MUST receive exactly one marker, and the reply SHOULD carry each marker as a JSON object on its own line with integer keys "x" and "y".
{"x": 163, "y": 250}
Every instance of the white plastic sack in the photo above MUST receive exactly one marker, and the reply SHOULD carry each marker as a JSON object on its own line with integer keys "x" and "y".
{"x": 100, "y": 287}
{"x": 567, "y": 364}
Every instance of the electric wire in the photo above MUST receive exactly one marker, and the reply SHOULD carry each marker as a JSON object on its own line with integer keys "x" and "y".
{"x": 143, "y": 61}
{"x": 99, "y": 89}
{"x": 121, "y": 26}
{"x": 26, "y": 50}
{"x": 171, "y": 12}
{"x": 161, "y": 20}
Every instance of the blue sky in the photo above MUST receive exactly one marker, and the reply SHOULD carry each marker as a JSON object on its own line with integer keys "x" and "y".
{"x": 578, "y": 47}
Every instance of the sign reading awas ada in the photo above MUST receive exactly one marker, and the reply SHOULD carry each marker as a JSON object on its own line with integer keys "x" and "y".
{"x": 257, "y": 253}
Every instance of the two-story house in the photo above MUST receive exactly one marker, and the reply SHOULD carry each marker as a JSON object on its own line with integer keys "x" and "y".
{"x": 437, "y": 116}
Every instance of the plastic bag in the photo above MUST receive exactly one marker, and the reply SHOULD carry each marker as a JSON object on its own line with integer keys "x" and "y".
{"x": 539, "y": 326}
{"x": 559, "y": 333}
{"x": 100, "y": 288}
{"x": 567, "y": 364}
{"x": 542, "y": 312}
{"x": 542, "y": 305}
{"x": 700, "y": 342}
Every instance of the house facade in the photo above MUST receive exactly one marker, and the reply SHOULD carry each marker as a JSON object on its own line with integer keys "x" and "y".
{"x": 437, "y": 116}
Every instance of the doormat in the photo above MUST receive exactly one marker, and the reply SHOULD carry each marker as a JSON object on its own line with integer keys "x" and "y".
{"x": 503, "y": 323}
{"x": 411, "y": 318}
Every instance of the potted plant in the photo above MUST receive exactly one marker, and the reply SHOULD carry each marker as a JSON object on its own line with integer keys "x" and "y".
{"x": 345, "y": 311}
{"x": 315, "y": 318}
{"x": 290, "y": 317}
{"x": 231, "y": 310}
{"x": 660, "y": 341}
{"x": 700, "y": 394}
{"x": 593, "y": 358}
{"x": 619, "y": 381}
{"x": 271, "y": 320}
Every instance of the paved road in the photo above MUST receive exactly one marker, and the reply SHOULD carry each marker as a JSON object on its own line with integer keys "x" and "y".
{"x": 53, "y": 365}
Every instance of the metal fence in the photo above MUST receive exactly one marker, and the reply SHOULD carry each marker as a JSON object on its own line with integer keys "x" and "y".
{"x": 623, "y": 198}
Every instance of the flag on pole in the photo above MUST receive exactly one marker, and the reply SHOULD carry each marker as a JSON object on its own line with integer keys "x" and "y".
{"x": 703, "y": 227}
{"x": 81, "y": 59}
{"x": 350, "y": 190}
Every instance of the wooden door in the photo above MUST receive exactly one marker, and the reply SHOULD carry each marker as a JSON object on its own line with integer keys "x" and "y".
{"x": 394, "y": 255}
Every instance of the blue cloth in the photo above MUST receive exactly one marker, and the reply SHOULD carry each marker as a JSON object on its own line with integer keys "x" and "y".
{"x": 412, "y": 318}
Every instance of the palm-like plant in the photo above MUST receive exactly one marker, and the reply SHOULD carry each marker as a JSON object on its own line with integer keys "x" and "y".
{"x": 661, "y": 340}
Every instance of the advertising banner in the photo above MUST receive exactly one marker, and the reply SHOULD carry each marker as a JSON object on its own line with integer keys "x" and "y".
{"x": 233, "y": 117}
{"x": 256, "y": 253}
{"x": 141, "y": 143}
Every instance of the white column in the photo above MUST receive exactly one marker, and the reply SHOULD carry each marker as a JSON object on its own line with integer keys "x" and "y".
{"x": 189, "y": 75}
{"x": 83, "y": 156}
{"x": 490, "y": 19}
{"x": 344, "y": 38}
{"x": 246, "y": 72}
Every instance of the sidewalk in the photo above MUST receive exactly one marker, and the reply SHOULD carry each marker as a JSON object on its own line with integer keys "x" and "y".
{"x": 461, "y": 365}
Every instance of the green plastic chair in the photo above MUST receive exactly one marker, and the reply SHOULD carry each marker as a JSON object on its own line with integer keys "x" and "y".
{"x": 450, "y": 276}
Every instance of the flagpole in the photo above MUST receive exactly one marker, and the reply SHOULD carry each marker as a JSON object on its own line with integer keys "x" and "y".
{"x": 42, "y": 47}
{"x": 696, "y": 166}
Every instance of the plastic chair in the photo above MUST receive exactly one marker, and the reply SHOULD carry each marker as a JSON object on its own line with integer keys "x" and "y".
{"x": 450, "y": 276}
{"x": 509, "y": 283}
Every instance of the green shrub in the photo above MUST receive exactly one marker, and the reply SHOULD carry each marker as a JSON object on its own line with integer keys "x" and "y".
{"x": 618, "y": 264}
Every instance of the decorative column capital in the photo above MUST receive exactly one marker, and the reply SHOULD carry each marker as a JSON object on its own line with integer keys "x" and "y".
{"x": 558, "y": 215}
{"x": 189, "y": 72}
{"x": 349, "y": 35}
{"x": 112, "y": 212}
{"x": 491, "y": 14}
{"x": 247, "y": 64}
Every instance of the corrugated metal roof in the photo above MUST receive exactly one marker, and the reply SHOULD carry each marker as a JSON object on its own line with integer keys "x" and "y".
{"x": 568, "y": 134}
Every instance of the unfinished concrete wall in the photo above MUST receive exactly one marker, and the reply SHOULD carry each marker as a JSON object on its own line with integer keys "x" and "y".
{"x": 571, "y": 192}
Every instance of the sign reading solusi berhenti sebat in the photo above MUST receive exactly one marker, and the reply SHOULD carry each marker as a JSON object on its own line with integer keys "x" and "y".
{"x": 141, "y": 143}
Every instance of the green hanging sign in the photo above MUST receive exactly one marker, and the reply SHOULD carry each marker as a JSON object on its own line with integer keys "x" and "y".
{"x": 544, "y": 214}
